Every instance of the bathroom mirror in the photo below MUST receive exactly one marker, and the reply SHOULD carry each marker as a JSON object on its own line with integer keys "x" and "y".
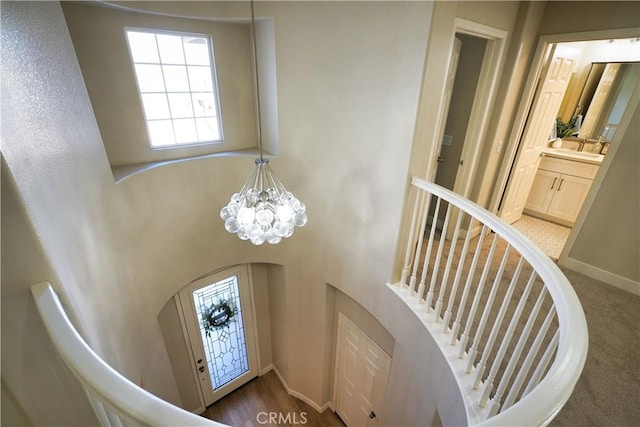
{"x": 603, "y": 98}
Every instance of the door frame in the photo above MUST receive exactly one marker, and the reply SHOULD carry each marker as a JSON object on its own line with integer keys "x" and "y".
{"x": 525, "y": 106}
{"x": 484, "y": 98}
{"x": 187, "y": 339}
{"x": 528, "y": 95}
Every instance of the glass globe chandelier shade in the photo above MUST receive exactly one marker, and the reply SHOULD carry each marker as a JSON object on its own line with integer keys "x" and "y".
{"x": 263, "y": 210}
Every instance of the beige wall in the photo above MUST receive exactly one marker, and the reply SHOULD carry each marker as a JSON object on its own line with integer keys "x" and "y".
{"x": 32, "y": 373}
{"x": 589, "y": 16}
{"x": 347, "y": 106}
{"x": 100, "y": 44}
{"x": 609, "y": 238}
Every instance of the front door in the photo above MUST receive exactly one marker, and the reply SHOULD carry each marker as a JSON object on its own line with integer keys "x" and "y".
{"x": 361, "y": 376}
{"x": 218, "y": 318}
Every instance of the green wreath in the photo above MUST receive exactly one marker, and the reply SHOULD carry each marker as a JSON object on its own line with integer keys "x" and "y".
{"x": 218, "y": 316}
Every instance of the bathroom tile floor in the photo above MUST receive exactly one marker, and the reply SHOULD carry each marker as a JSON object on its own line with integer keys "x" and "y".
{"x": 548, "y": 236}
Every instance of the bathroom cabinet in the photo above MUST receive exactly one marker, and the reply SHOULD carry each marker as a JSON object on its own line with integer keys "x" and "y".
{"x": 559, "y": 189}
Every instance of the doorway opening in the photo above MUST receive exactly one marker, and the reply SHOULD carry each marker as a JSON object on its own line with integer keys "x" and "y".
{"x": 583, "y": 88}
{"x": 475, "y": 59}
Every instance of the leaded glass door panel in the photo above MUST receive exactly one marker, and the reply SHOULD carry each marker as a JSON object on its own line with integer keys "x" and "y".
{"x": 219, "y": 322}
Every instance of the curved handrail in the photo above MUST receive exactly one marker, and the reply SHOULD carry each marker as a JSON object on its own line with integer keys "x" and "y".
{"x": 544, "y": 401}
{"x": 111, "y": 393}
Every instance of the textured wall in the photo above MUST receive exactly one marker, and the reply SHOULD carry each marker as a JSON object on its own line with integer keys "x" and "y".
{"x": 349, "y": 75}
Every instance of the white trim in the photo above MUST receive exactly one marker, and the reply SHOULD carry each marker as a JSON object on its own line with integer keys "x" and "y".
{"x": 299, "y": 395}
{"x": 483, "y": 99}
{"x": 266, "y": 369}
{"x": 601, "y": 275}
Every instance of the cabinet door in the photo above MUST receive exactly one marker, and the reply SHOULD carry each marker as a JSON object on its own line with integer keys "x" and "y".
{"x": 569, "y": 197}
{"x": 544, "y": 185}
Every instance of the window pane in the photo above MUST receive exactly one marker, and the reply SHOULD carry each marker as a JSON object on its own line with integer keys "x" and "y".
{"x": 170, "y": 49}
{"x": 176, "y": 85}
{"x": 160, "y": 133}
{"x": 180, "y": 105}
{"x": 155, "y": 106}
{"x": 185, "y": 130}
{"x": 175, "y": 77}
{"x": 200, "y": 79}
{"x": 208, "y": 129}
{"x": 196, "y": 50}
{"x": 143, "y": 46}
{"x": 204, "y": 104}
{"x": 149, "y": 78}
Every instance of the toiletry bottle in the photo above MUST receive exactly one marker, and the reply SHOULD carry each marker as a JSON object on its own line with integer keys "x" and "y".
{"x": 597, "y": 147}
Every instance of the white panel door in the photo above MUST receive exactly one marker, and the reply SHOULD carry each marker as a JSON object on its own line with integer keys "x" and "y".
{"x": 224, "y": 358}
{"x": 446, "y": 101}
{"x": 536, "y": 135}
{"x": 361, "y": 376}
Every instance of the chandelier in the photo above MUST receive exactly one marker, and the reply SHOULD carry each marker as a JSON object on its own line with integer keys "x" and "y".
{"x": 263, "y": 210}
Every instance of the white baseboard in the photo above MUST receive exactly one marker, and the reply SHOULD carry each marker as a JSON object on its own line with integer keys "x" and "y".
{"x": 294, "y": 393}
{"x": 600, "y": 274}
{"x": 266, "y": 369}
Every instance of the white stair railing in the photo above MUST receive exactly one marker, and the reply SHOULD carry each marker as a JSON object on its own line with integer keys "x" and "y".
{"x": 115, "y": 400}
{"x": 503, "y": 314}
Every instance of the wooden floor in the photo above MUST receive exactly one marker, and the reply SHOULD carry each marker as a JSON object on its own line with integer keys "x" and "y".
{"x": 265, "y": 402}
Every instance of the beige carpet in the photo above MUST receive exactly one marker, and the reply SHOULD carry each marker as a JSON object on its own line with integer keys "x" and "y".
{"x": 608, "y": 392}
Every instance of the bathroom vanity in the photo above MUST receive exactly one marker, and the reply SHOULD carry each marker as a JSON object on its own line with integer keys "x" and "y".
{"x": 561, "y": 184}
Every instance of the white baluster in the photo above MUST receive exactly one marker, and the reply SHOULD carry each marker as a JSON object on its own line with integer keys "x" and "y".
{"x": 436, "y": 265}
{"x": 447, "y": 269}
{"x": 486, "y": 311}
{"x": 544, "y": 362}
{"x": 456, "y": 279}
{"x": 427, "y": 255}
{"x": 467, "y": 286}
{"x": 114, "y": 419}
{"x": 476, "y": 299}
{"x": 425, "y": 214}
{"x": 494, "y": 405}
{"x": 488, "y": 384}
{"x": 411, "y": 238}
{"x": 99, "y": 409}
{"x": 528, "y": 361}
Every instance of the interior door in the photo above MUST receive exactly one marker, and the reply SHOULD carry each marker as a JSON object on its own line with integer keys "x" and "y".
{"x": 225, "y": 356}
{"x": 361, "y": 376}
{"x": 536, "y": 134}
{"x": 451, "y": 78}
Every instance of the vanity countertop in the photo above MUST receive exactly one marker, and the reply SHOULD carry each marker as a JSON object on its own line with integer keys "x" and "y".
{"x": 580, "y": 156}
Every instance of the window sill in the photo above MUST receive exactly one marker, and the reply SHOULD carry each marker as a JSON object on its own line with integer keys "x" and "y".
{"x": 122, "y": 172}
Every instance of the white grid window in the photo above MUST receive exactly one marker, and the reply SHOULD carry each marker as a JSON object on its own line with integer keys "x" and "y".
{"x": 176, "y": 80}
